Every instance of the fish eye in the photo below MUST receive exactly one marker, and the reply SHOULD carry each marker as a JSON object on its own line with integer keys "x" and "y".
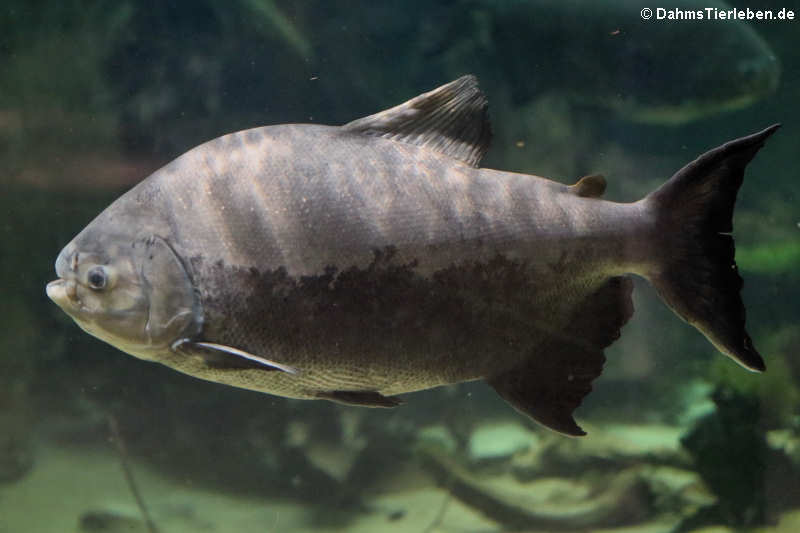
{"x": 97, "y": 278}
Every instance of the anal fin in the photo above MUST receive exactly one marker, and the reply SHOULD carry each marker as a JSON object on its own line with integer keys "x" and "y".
{"x": 360, "y": 398}
{"x": 553, "y": 381}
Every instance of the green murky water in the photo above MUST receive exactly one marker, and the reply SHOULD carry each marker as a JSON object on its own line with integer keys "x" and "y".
{"x": 95, "y": 96}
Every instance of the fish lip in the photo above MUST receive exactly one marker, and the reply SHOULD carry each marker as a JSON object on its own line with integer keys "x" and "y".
{"x": 56, "y": 290}
{"x": 62, "y": 293}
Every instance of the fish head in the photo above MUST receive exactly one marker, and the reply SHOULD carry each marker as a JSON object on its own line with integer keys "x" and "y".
{"x": 130, "y": 291}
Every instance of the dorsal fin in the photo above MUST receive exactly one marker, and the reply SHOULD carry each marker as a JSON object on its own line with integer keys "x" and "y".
{"x": 452, "y": 120}
{"x": 591, "y": 186}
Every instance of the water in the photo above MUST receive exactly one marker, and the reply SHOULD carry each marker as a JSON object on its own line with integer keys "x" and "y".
{"x": 94, "y": 98}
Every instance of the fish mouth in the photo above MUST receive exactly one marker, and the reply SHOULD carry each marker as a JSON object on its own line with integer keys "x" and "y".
{"x": 64, "y": 293}
{"x": 64, "y": 290}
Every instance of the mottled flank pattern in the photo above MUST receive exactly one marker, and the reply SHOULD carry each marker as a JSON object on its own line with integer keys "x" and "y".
{"x": 385, "y": 327}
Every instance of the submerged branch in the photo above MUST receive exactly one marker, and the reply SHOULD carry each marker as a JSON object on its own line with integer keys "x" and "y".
{"x": 123, "y": 455}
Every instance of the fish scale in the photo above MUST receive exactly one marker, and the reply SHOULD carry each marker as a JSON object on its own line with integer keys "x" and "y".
{"x": 359, "y": 262}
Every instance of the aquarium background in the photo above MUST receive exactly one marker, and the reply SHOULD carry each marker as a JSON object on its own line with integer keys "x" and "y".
{"x": 94, "y": 96}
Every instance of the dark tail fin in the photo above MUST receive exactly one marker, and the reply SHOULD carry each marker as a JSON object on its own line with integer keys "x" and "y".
{"x": 697, "y": 275}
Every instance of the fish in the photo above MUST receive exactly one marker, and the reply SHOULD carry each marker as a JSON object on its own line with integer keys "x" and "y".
{"x": 613, "y": 58}
{"x": 360, "y": 262}
{"x": 600, "y": 57}
{"x": 603, "y": 56}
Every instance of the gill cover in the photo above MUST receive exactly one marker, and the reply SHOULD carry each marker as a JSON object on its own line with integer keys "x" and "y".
{"x": 174, "y": 308}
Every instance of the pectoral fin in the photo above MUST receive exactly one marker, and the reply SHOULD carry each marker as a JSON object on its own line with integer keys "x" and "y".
{"x": 226, "y": 357}
{"x": 551, "y": 384}
{"x": 360, "y": 398}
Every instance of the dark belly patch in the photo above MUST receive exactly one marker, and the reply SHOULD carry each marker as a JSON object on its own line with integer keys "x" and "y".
{"x": 385, "y": 324}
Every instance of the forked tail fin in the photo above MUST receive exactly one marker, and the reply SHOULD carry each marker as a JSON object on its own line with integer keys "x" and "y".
{"x": 697, "y": 275}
